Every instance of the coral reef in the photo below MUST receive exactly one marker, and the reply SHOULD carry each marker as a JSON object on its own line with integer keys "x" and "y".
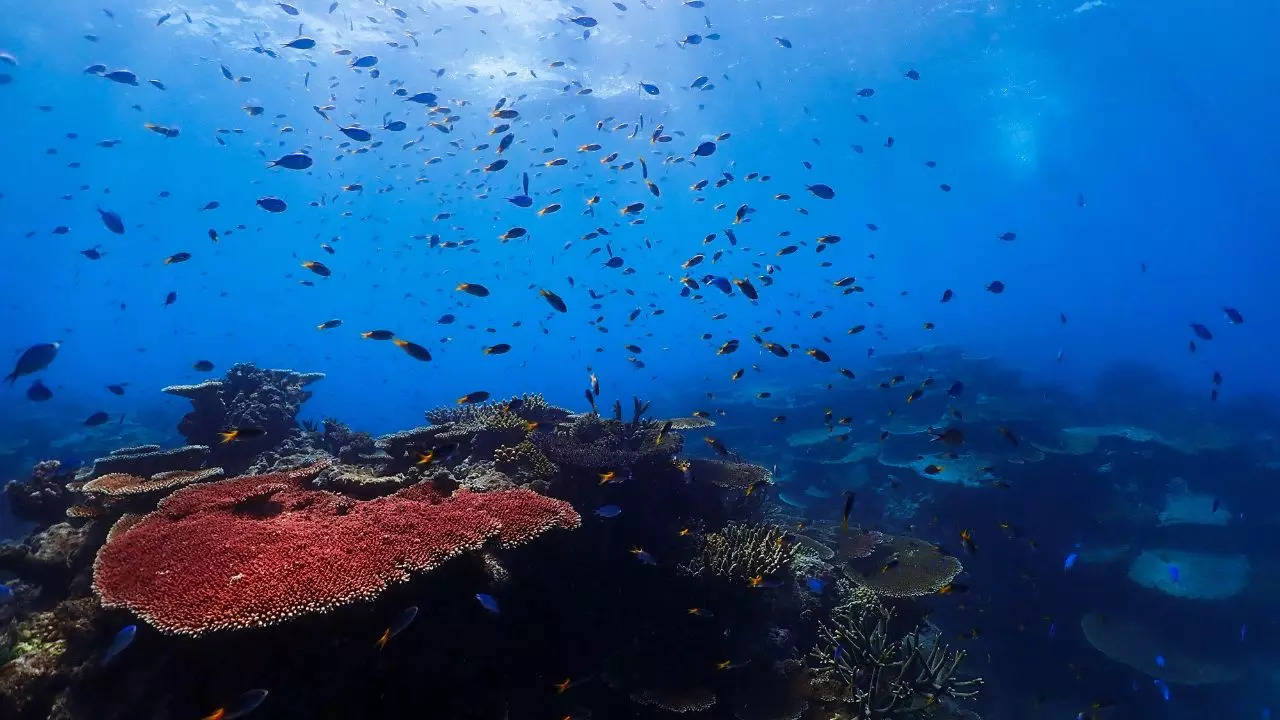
{"x": 533, "y": 408}
{"x": 727, "y": 474}
{"x": 32, "y": 652}
{"x": 744, "y": 552}
{"x": 43, "y": 496}
{"x": 146, "y": 461}
{"x": 858, "y": 663}
{"x": 596, "y": 444}
{"x": 525, "y": 459}
{"x": 688, "y": 423}
{"x": 117, "y": 485}
{"x": 260, "y": 550}
{"x": 246, "y": 397}
{"x": 345, "y": 444}
{"x": 900, "y": 566}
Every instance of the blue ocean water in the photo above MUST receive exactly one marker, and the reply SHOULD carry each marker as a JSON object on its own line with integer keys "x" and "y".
{"x": 1122, "y": 147}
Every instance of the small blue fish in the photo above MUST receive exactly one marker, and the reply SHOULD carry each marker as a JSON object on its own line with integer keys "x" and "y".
{"x": 1053, "y": 629}
{"x": 1159, "y": 661}
{"x": 1071, "y": 561}
{"x": 815, "y": 585}
{"x": 1174, "y": 574}
{"x": 1243, "y": 630}
{"x": 1164, "y": 689}
{"x": 122, "y": 640}
{"x": 488, "y": 602}
{"x": 608, "y": 511}
{"x": 838, "y": 653}
{"x": 6, "y": 594}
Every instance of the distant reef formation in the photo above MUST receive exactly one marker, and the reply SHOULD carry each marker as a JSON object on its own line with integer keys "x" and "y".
{"x": 505, "y": 555}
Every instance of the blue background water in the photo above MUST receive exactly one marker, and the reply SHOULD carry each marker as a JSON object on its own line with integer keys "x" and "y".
{"x": 1152, "y": 112}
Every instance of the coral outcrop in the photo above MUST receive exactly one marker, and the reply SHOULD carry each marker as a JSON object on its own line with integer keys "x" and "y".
{"x": 43, "y": 496}
{"x": 247, "y": 397}
{"x": 260, "y": 550}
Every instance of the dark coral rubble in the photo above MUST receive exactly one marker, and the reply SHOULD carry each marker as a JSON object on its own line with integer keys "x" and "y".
{"x": 685, "y": 600}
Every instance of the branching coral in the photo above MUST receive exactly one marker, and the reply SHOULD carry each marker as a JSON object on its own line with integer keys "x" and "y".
{"x": 858, "y": 663}
{"x": 743, "y": 552}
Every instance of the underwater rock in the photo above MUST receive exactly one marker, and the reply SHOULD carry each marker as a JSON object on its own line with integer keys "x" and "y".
{"x": 51, "y": 558}
{"x": 146, "y": 461}
{"x": 1138, "y": 644}
{"x": 260, "y": 550}
{"x": 246, "y": 397}
{"x": 43, "y": 497}
{"x": 1192, "y": 575}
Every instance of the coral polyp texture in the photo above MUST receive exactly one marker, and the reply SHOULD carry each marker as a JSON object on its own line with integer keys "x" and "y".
{"x": 262, "y": 549}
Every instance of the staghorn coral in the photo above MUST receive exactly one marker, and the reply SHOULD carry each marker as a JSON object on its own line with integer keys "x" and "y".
{"x": 43, "y": 496}
{"x": 901, "y": 567}
{"x": 260, "y": 550}
{"x": 146, "y": 460}
{"x": 727, "y": 474}
{"x": 857, "y": 664}
{"x": 743, "y": 552}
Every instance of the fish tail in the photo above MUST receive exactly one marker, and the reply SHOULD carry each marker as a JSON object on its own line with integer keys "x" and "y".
{"x": 12, "y": 377}
{"x": 228, "y": 436}
{"x": 844, "y": 526}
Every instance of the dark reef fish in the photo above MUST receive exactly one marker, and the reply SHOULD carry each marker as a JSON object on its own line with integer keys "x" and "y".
{"x": 33, "y": 360}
